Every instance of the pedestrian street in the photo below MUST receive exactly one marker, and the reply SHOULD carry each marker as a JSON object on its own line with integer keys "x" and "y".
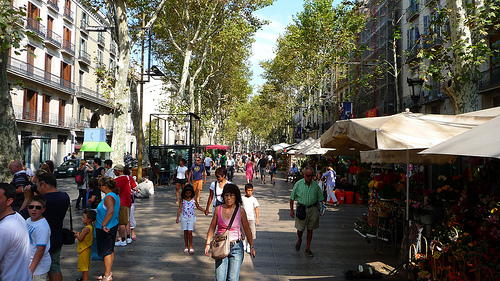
{"x": 157, "y": 254}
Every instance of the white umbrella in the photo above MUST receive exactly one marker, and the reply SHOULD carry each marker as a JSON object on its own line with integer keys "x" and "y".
{"x": 313, "y": 149}
{"x": 280, "y": 146}
{"x": 482, "y": 141}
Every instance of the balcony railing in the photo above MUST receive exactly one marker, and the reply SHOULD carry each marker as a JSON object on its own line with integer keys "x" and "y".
{"x": 68, "y": 14}
{"x": 100, "y": 39}
{"x": 37, "y": 74}
{"x": 35, "y": 26}
{"x": 413, "y": 11}
{"x": 112, "y": 48}
{"x": 38, "y": 116}
{"x": 490, "y": 78}
{"x": 92, "y": 96}
{"x": 84, "y": 57}
{"x": 432, "y": 42}
{"x": 68, "y": 47}
{"x": 82, "y": 124}
{"x": 83, "y": 25}
{"x": 52, "y": 4}
{"x": 412, "y": 51}
{"x": 53, "y": 38}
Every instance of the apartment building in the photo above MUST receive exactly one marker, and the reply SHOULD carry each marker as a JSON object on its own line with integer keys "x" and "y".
{"x": 53, "y": 85}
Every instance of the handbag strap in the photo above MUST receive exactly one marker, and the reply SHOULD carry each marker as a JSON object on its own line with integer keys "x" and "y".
{"x": 232, "y": 218}
{"x": 70, "y": 218}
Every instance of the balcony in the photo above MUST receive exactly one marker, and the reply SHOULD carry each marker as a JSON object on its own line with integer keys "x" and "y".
{"x": 43, "y": 77}
{"x": 36, "y": 27}
{"x": 34, "y": 116}
{"x": 413, "y": 11}
{"x": 53, "y": 39}
{"x": 490, "y": 78}
{"x": 412, "y": 52}
{"x": 100, "y": 39}
{"x": 93, "y": 96}
{"x": 83, "y": 26}
{"x": 52, "y": 4}
{"x": 430, "y": 3}
{"x": 82, "y": 124}
{"x": 433, "y": 95}
{"x": 68, "y": 14}
{"x": 433, "y": 42}
{"x": 84, "y": 57}
{"x": 68, "y": 48}
{"x": 112, "y": 48}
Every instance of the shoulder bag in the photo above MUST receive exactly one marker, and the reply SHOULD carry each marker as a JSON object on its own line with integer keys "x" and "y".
{"x": 220, "y": 243}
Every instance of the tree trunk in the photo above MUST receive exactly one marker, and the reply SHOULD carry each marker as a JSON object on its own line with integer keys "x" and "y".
{"x": 122, "y": 94}
{"x": 465, "y": 94}
{"x": 135, "y": 112}
{"x": 9, "y": 144}
{"x": 184, "y": 77}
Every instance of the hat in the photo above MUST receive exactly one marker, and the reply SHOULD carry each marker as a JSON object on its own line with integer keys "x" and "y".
{"x": 118, "y": 167}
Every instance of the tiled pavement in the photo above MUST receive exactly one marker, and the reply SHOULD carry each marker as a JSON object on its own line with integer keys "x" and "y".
{"x": 158, "y": 252}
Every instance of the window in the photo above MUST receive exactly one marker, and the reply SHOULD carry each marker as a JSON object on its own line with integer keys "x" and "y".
{"x": 62, "y": 105}
{"x": 33, "y": 14}
{"x": 30, "y": 58}
{"x": 46, "y": 109}
{"x": 48, "y": 67}
{"x": 30, "y": 102}
{"x": 65, "y": 75}
{"x": 100, "y": 56}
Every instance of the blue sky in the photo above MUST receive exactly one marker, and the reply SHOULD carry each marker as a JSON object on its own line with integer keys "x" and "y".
{"x": 279, "y": 16}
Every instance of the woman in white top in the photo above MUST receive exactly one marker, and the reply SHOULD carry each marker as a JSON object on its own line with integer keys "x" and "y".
{"x": 216, "y": 189}
{"x": 180, "y": 176}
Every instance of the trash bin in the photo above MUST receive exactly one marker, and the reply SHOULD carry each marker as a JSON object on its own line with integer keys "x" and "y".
{"x": 340, "y": 196}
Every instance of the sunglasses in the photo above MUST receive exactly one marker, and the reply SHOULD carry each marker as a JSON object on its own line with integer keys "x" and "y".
{"x": 309, "y": 176}
{"x": 219, "y": 176}
{"x": 38, "y": 207}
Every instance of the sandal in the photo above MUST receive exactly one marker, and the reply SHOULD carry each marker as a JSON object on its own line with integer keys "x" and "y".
{"x": 191, "y": 251}
{"x": 102, "y": 277}
{"x": 186, "y": 250}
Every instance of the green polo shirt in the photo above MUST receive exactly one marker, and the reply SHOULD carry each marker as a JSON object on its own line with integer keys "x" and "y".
{"x": 306, "y": 195}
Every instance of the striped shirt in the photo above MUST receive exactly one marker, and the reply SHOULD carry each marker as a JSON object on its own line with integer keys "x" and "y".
{"x": 307, "y": 195}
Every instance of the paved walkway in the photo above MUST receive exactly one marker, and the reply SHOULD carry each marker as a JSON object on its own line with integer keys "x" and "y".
{"x": 158, "y": 252}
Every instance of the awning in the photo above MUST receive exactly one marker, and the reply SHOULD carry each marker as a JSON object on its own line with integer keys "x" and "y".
{"x": 217, "y": 146}
{"x": 313, "y": 149}
{"x": 96, "y": 146}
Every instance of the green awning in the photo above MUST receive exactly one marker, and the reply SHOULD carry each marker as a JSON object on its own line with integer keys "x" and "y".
{"x": 96, "y": 146}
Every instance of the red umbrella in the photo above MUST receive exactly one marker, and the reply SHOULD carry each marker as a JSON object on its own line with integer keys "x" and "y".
{"x": 217, "y": 146}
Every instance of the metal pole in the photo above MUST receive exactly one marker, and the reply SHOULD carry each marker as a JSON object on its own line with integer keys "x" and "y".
{"x": 139, "y": 137}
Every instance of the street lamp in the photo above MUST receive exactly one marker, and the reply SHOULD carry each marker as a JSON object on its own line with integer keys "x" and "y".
{"x": 415, "y": 108}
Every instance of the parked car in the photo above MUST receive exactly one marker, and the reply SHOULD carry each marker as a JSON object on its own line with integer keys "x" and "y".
{"x": 67, "y": 169}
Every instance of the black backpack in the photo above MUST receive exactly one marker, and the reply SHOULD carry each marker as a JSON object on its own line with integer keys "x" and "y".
{"x": 80, "y": 177}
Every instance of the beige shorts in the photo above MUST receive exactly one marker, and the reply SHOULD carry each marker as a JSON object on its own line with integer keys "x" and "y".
{"x": 197, "y": 185}
{"x": 311, "y": 221}
{"x": 123, "y": 215}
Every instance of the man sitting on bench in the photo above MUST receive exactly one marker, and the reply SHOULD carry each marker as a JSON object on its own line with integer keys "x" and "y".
{"x": 292, "y": 173}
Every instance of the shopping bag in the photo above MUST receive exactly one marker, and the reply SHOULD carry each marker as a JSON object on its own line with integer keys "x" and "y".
{"x": 94, "y": 256}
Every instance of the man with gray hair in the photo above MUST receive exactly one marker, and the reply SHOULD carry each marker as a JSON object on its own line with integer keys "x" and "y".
{"x": 307, "y": 193}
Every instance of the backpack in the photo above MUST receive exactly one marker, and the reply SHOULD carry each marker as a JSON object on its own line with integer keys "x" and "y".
{"x": 80, "y": 177}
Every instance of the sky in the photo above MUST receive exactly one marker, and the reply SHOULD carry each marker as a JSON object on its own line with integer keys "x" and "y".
{"x": 279, "y": 16}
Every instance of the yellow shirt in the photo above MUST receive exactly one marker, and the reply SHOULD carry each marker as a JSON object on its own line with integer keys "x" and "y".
{"x": 87, "y": 241}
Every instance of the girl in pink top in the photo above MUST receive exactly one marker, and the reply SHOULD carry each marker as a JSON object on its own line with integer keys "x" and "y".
{"x": 229, "y": 267}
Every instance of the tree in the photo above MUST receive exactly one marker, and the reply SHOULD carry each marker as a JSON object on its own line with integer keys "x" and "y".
{"x": 117, "y": 12}
{"x": 11, "y": 34}
{"x": 464, "y": 28}
{"x": 188, "y": 45}
{"x": 156, "y": 133}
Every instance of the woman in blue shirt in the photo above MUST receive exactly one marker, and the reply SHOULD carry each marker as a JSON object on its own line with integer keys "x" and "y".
{"x": 107, "y": 225}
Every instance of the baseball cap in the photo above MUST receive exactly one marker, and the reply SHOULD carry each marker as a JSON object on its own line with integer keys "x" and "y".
{"x": 118, "y": 167}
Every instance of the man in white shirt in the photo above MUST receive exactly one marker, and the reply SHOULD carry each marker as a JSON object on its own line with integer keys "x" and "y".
{"x": 230, "y": 168}
{"x": 208, "y": 165}
{"x": 14, "y": 239}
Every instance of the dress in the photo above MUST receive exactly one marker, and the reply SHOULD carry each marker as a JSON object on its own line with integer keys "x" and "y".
{"x": 249, "y": 170}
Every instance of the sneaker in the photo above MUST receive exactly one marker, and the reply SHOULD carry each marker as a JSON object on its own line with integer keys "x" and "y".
{"x": 129, "y": 240}
{"x": 309, "y": 253}
{"x": 121, "y": 243}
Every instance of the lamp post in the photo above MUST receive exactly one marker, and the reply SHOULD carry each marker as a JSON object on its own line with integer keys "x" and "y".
{"x": 415, "y": 108}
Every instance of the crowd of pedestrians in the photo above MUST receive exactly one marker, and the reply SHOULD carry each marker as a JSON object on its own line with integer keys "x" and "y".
{"x": 107, "y": 193}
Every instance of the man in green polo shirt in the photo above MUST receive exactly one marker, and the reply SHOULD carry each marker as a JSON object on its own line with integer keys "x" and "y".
{"x": 307, "y": 193}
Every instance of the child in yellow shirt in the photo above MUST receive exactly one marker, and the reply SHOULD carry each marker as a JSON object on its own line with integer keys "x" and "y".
{"x": 85, "y": 239}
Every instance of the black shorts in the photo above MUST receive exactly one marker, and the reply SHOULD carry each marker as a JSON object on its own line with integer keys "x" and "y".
{"x": 105, "y": 241}
{"x": 180, "y": 181}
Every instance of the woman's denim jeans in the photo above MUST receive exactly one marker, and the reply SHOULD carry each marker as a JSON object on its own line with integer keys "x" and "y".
{"x": 228, "y": 268}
